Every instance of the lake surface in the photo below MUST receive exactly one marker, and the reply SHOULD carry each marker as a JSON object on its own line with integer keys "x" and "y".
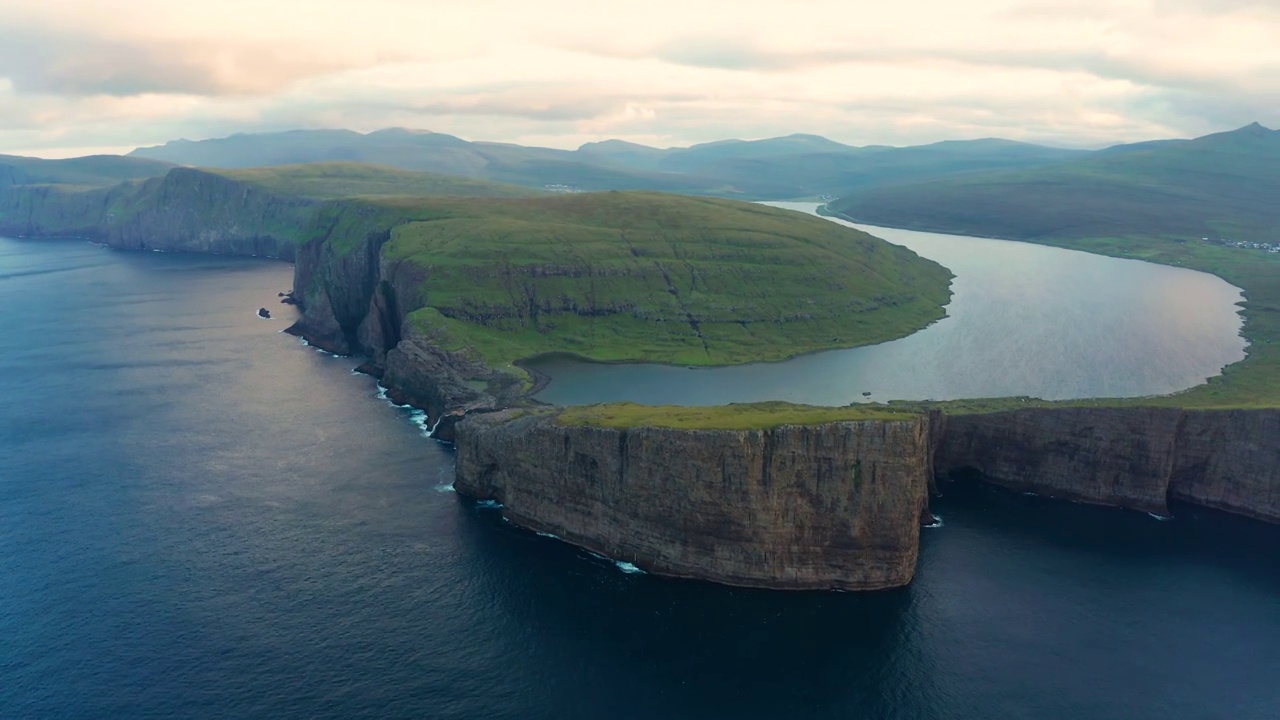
{"x": 202, "y": 518}
{"x": 1024, "y": 320}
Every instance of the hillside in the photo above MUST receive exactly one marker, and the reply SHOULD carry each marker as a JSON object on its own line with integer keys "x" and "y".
{"x": 1190, "y": 203}
{"x": 324, "y": 181}
{"x": 90, "y": 171}
{"x": 1217, "y": 186}
{"x": 644, "y": 276}
{"x": 776, "y": 168}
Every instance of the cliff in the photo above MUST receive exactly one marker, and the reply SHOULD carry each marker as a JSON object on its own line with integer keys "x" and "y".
{"x": 1134, "y": 457}
{"x": 839, "y": 504}
{"x": 836, "y": 505}
{"x": 185, "y": 210}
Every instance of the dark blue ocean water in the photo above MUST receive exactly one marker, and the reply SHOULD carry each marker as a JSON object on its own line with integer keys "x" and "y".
{"x": 201, "y": 518}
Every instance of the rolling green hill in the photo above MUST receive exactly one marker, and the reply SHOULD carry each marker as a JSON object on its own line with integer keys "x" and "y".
{"x": 1218, "y": 186}
{"x": 330, "y": 180}
{"x": 90, "y": 171}
{"x": 776, "y": 168}
{"x": 653, "y": 277}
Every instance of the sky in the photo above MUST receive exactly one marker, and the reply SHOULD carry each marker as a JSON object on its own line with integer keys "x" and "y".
{"x": 83, "y": 76}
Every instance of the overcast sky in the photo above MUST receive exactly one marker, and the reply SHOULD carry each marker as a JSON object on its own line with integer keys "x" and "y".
{"x": 81, "y": 76}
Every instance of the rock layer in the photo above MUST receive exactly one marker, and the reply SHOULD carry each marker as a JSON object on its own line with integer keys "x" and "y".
{"x": 1136, "y": 457}
{"x": 1101, "y": 456}
{"x": 839, "y": 505}
{"x": 826, "y": 506}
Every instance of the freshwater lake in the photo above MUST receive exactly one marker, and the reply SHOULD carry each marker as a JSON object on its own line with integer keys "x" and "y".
{"x": 1024, "y": 320}
{"x": 202, "y": 518}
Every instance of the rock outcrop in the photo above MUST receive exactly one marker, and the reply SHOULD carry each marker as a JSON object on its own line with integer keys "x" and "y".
{"x": 839, "y": 505}
{"x": 1229, "y": 460}
{"x": 1102, "y": 456}
{"x": 1131, "y": 457}
{"x": 187, "y": 210}
{"x": 832, "y": 506}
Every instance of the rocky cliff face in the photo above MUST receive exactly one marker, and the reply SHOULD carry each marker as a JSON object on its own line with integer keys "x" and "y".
{"x": 196, "y": 211}
{"x": 356, "y": 301}
{"x": 1229, "y": 460}
{"x": 1128, "y": 457}
{"x": 186, "y": 210}
{"x": 1091, "y": 455}
{"x": 837, "y": 505}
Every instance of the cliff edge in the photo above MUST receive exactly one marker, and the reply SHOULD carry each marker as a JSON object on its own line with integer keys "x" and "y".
{"x": 829, "y": 506}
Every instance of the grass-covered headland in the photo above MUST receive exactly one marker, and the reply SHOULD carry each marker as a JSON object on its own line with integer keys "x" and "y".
{"x": 658, "y": 278}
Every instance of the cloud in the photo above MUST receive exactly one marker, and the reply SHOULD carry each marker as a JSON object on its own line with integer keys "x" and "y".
{"x": 75, "y": 64}
{"x": 79, "y": 73}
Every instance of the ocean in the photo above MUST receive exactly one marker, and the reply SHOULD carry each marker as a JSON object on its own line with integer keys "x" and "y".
{"x": 201, "y": 517}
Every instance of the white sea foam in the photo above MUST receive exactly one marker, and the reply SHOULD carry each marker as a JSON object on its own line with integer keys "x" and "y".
{"x": 622, "y": 565}
{"x": 489, "y": 505}
{"x": 1161, "y": 518}
{"x": 553, "y": 536}
{"x": 305, "y": 343}
{"x": 937, "y": 522}
{"x": 445, "y": 488}
{"x": 419, "y": 418}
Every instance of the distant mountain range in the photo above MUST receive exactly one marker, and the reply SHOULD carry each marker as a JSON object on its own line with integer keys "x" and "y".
{"x": 1224, "y": 186}
{"x": 795, "y": 166}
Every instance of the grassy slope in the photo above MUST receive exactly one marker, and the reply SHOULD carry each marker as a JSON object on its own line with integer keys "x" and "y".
{"x": 341, "y": 180}
{"x": 1221, "y": 185}
{"x": 1153, "y": 203}
{"x": 89, "y": 171}
{"x": 660, "y": 278}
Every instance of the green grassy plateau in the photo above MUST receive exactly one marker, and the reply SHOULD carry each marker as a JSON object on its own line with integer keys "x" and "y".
{"x": 324, "y": 181}
{"x": 657, "y": 278}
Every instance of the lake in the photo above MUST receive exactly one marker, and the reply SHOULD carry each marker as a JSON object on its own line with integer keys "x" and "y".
{"x": 1024, "y": 320}
{"x": 202, "y": 518}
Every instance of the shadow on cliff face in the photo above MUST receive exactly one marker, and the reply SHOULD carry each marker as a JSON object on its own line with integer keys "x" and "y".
{"x": 671, "y": 638}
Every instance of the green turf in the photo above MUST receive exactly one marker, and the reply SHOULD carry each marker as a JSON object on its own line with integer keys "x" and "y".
{"x": 656, "y": 278}
{"x": 343, "y": 180}
{"x": 752, "y": 416}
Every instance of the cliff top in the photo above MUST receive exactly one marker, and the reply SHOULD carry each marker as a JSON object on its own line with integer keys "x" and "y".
{"x": 329, "y": 180}
{"x": 747, "y": 416}
{"x": 649, "y": 277}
